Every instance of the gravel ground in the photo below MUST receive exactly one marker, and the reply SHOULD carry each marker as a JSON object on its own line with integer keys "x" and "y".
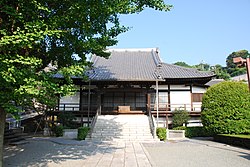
{"x": 197, "y": 153}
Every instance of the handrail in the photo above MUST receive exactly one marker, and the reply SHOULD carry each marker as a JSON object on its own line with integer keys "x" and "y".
{"x": 151, "y": 123}
{"x": 93, "y": 123}
{"x": 185, "y": 106}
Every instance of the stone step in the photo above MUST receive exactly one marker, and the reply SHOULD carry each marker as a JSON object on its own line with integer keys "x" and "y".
{"x": 122, "y": 137}
{"x": 121, "y": 127}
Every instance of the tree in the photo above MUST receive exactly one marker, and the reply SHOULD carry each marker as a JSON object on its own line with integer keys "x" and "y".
{"x": 183, "y": 64}
{"x": 36, "y": 33}
{"x": 232, "y": 68}
{"x": 202, "y": 66}
{"x": 225, "y": 108}
{"x": 180, "y": 117}
{"x": 221, "y": 72}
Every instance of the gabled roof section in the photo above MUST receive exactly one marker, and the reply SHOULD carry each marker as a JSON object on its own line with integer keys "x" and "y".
{"x": 174, "y": 71}
{"x": 138, "y": 65}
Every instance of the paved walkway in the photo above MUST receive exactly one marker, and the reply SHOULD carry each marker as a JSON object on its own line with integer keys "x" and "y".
{"x": 53, "y": 152}
{"x": 59, "y": 152}
{"x": 197, "y": 153}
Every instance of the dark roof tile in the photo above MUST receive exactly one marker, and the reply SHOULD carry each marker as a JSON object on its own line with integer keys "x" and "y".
{"x": 138, "y": 65}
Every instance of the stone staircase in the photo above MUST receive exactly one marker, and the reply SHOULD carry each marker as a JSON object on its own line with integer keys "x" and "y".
{"x": 122, "y": 128}
{"x": 15, "y": 136}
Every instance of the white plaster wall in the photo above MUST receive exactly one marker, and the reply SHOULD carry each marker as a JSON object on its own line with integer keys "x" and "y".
{"x": 74, "y": 100}
{"x": 196, "y": 89}
{"x": 179, "y": 98}
{"x": 71, "y": 99}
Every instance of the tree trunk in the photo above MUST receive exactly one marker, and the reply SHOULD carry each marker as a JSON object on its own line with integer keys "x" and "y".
{"x": 2, "y": 126}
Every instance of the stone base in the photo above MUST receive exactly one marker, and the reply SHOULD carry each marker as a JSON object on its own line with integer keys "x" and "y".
{"x": 70, "y": 133}
{"x": 175, "y": 134}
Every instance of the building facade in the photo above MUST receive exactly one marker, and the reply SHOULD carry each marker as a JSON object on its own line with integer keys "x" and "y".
{"x": 136, "y": 81}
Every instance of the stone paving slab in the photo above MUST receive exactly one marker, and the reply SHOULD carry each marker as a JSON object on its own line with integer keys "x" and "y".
{"x": 53, "y": 152}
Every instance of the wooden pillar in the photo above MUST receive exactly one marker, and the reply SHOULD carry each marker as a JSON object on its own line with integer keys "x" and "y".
{"x": 191, "y": 92}
{"x": 169, "y": 101}
{"x": 80, "y": 105}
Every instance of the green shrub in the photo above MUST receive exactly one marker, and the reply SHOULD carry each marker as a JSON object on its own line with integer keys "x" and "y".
{"x": 67, "y": 119}
{"x": 180, "y": 128}
{"x": 161, "y": 133}
{"x": 82, "y": 133}
{"x": 196, "y": 132}
{"x": 180, "y": 117}
{"x": 225, "y": 108}
{"x": 58, "y": 130}
{"x": 193, "y": 131}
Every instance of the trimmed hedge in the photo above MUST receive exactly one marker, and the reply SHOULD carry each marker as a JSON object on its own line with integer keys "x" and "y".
{"x": 82, "y": 133}
{"x": 233, "y": 140}
{"x": 193, "y": 131}
{"x": 225, "y": 108}
{"x": 161, "y": 133}
{"x": 196, "y": 132}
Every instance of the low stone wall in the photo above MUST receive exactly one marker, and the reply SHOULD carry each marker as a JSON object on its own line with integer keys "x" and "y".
{"x": 70, "y": 133}
{"x": 231, "y": 140}
{"x": 175, "y": 134}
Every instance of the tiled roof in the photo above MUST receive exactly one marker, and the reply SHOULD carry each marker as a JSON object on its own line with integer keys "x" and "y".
{"x": 138, "y": 65}
{"x": 214, "y": 81}
{"x": 174, "y": 71}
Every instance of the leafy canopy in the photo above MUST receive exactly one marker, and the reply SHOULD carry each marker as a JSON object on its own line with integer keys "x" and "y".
{"x": 232, "y": 68}
{"x": 38, "y": 33}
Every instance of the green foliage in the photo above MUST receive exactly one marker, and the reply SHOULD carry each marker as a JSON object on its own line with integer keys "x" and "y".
{"x": 58, "y": 130}
{"x": 196, "y": 132}
{"x": 232, "y": 68}
{"x": 161, "y": 133}
{"x": 193, "y": 131}
{"x": 82, "y": 133}
{"x": 225, "y": 108}
{"x": 180, "y": 128}
{"x": 38, "y": 33}
{"x": 221, "y": 72}
{"x": 180, "y": 117}
{"x": 67, "y": 120}
{"x": 183, "y": 64}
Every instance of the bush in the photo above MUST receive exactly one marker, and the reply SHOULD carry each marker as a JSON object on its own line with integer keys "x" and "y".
{"x": 196, "y": 132}
{"x": 58, "y": 130}
{"x": 67, "y": 119}
{"x": 180, "y": 117}
{"x": 193, "y": 131}
{"x": 180, "y": 128}
{"x": 161, "y": 133}
{"x": 225, "y": 108}
{"x": 82, "y": 133}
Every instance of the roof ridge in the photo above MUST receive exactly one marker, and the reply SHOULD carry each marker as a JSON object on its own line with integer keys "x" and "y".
{"x": 156, "y": 58}
{"x": 131, "y": 49}
{"x": 188, "y": 68}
